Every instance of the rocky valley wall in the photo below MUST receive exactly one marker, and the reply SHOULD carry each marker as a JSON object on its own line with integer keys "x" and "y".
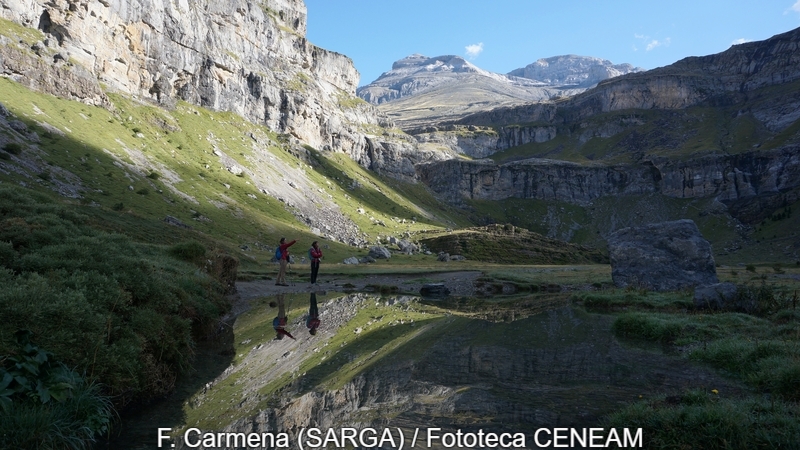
{"x": 249, "y": 57}
{"x": 728, "y": 178}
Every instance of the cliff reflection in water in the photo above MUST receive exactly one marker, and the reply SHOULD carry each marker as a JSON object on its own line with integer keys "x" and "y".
{"x": 500, "y": 366}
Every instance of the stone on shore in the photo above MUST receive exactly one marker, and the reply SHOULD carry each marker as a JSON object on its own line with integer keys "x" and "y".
{"x": 665, "y": 256}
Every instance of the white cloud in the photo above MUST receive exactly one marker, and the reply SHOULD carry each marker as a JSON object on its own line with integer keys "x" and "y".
{"x": 796, "y": 7}
{"x": 740, "y": 41}
{"x": 651, "y": 43}
{"x": 656, "y": 43}
{"x": 474, "y": 50}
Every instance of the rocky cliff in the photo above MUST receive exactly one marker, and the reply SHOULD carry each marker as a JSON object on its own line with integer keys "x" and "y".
{"x": 573, "y": 70}
{"x": 730, "y": 178}
{"x": 250, "y": 57}
{"x": 726, "y": 76}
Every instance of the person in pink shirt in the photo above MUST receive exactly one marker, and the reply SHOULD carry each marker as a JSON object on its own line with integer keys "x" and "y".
{"x": 315, "y": 253}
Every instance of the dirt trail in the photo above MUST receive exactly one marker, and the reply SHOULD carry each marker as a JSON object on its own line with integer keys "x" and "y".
{"x": 460, "y": 284}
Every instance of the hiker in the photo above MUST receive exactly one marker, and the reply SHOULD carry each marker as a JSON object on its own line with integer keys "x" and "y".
{"x": 315, "y": 253}
{"x": 283, "y": 260}
{"x": 312, "y": 321}
{"x": 279, "y": 322}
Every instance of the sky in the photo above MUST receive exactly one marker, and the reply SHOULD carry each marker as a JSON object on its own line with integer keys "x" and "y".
{"x": 503, "y": 35}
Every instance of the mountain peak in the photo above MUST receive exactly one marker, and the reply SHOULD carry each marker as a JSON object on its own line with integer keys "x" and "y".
{"x": 444, "y": 63}
{"x": 573, "y": 70}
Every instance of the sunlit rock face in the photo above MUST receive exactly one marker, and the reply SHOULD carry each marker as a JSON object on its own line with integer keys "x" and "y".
{"x": 245, "y": 56}
{"x": 737, "y": 180}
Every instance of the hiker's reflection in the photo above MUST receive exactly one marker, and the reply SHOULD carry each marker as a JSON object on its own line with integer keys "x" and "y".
{"x": 279, "y": 323}
{"x": 312, "y": 321}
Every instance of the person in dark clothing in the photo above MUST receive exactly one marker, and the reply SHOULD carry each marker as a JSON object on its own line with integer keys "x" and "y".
{"x": 312, "y": 321}
{"x": 316, "y": 255}
{"x": 279, "y": 322}
{"x": 283, "y": 261}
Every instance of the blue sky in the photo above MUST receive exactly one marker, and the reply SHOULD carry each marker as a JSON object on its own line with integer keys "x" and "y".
{"x": 503, "y": 35}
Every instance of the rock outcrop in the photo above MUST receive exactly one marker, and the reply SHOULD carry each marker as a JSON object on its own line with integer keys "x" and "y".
{"x": 741, "y": 69}
{"x": 573, "y": 70}
{"x": 665, "y": 256}
{"x": 248, "y": 57}
{"x": 733, "y": 179}
{"x": 715, "y": 296}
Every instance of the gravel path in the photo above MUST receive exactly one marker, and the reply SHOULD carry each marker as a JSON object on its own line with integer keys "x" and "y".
{"x": 459, "y": 283}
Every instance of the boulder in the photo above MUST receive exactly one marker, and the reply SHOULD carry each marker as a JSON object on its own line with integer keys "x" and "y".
{"x": 378, "y": 252}
{"x": 715, "y": 296}
{"x": 407, "y": 247}
{"x": 443, "y": 256}
{"x": 663, "y": 256}
{"x": 438, "y": 290}
{"x": 367, "y": 260}
{"x": 351, "y": 260}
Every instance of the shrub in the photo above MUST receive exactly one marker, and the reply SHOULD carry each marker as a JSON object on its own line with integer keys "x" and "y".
{"x": 647, "y": 327}
{"x": 750, "y": 268}
{"x": 45, "y": 404}
{"x": 191, "y": 251}
{"x": 126, "y": 312}
{"x": 14, "y": 148}
{"x": 118, "y": 206}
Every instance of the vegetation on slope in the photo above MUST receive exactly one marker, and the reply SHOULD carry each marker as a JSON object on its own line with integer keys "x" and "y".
{"x": 760, "y": 347}
{"x": 507, "y": 244}
{"x": 126, "y": 315}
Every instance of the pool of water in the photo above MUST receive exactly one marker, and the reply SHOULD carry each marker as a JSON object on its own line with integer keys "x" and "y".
{"x": 511, "y": 365}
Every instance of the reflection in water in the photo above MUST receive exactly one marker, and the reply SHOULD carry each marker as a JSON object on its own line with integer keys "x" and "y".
{"x": 312, "y": 321}
{"x": 279, "y": 322}
{"x": 499, "y": 366}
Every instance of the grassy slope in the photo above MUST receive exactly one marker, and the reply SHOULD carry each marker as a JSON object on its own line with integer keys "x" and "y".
{"x": 184, "y": 178}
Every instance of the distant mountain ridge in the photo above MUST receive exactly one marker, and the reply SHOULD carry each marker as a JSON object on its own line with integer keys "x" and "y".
{"x": 419, "y": 90}
{"x": 573, "y": 70}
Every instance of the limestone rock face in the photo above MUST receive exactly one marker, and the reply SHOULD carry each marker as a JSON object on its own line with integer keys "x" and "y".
{"x": 481, "y": 142}
{"x": 249, "y": 57}
{"x": 733, "y": 179}
{"x": 572, "y": 70}
{"x": 664, "y": 256}
{"x": 379, "y": 252}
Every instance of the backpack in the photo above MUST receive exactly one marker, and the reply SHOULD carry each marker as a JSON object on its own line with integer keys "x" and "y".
{"x": 278, "y": 253}
{"x": 310, "y": 258}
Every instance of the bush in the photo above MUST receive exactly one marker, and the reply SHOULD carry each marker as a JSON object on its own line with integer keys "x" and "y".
{"x": 46, "y": 405}
{"x": 14, "y": 148}
{"x": 750, "y": 268}
{"x": 128, "y": 313}
{"x": 646, "y": 327}
{"x": 191, "y": 251}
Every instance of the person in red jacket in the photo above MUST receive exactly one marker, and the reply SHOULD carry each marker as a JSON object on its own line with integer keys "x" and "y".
{"x": 316, "y": 254}
{"x": 279, "y": 322}
{"x": 283, "y": 261}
